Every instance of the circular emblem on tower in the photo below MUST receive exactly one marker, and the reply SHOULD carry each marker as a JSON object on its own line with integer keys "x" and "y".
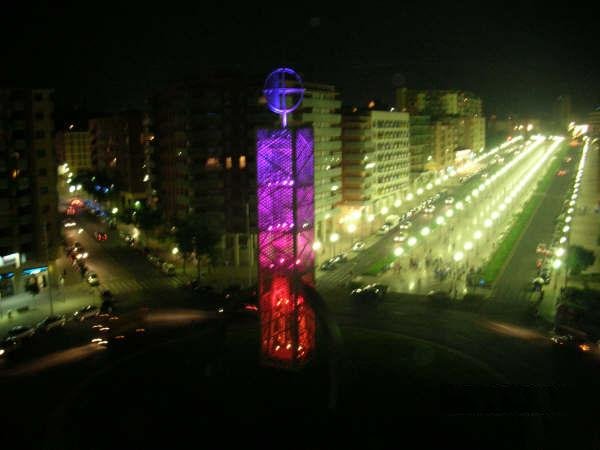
{"x": 283, "y": 91}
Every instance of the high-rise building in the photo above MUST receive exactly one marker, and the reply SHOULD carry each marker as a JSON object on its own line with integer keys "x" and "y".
{"x": 473, "y": 137}
{"x": 117, "y": 148}
{"x": 73, "y": 147}
{"x": 321, "y": 110}
{"x": 445, "y": 141}
{"x": 205, "y": 156}
{"x": 457, "y": 123}
{"x": 421, "y": 150}
{"x": 375, "y": 159}
{"x": 438, "y": 103}
{"x": 28, "y": 176}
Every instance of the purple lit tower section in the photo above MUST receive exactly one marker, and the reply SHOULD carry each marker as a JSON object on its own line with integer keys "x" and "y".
{"x": 285, "y": 175}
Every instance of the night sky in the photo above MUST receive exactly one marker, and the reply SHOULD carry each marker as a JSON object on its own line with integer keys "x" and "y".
{"x": 107, "y": 56}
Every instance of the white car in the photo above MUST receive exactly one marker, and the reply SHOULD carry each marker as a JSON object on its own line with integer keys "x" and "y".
{"x": 358, "y": 246}
{"x": 400, "y": 237}
{"x": 384, "y": 229}
{"x": 405, "y": 225}
{"x": 93, "y": 279}
{"x": 429, "y": 209}
{"x": 449, "y": 200}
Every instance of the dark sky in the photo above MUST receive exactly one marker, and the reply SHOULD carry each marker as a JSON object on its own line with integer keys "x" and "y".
{"x": 107, "y": 56}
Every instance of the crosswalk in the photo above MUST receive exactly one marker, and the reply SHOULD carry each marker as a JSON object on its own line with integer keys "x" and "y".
{"x": 123, "y": 286}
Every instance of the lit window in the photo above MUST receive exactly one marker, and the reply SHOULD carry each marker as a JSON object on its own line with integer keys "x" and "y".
{"x": 212, "y": 163}
{"x": 242, "y": 162}
{"x": 228, "y": 163}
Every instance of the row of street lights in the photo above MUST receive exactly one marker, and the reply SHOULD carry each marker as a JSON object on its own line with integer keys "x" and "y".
{"x": 352, "y": 218}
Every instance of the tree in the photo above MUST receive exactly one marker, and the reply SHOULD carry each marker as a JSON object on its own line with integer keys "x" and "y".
{"x": 579, "y": 259}
{"x": 194, "y": 235}
{"x": 147, "y": 218}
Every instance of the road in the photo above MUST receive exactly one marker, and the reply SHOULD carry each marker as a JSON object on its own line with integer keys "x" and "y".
{"x": 514, "y": 283}
{"x": 121, "y": 269}
{"x": 455, "y": 237}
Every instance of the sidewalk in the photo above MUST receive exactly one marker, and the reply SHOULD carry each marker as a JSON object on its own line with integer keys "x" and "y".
{"x": 64, "y": 301}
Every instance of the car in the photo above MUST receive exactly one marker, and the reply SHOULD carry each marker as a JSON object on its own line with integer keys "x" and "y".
{"x": 341, "y": 258}
{"x": 449, "y": 200}
{"x": 51, "y": 322}
{"x": 543, "y": 249}
{"x": 69, "y": 224}
{"x": 328, "y": 265}
{"x": 158, "y": 262}
{"x": 101, "y": 236}
{"x": 405, "y": 225}
{"x": 168, "y": 269}
{"x": 19, "y": 333}
{"x": 561, "y": 173}
{"x": 370, "y": 292}
{"x": 400, "y": 237}
{"x": 92, "y": 279}
{"x": 429, "y": 208}
{"x": 86, "y": 312}
{"x": 383, "y": 229}
{"x": 358, "y": 246}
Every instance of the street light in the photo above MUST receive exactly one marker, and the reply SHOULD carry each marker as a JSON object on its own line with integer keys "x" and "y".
{"x": 333, "y": 238}
{"x": 398, "y": 251}
{"x": 458, "y": 256}
{"x": 351, "y": 228}
{"x": 412, "y": 241}
{"x": 316, "y": 246}
{"x": 175, "y": 250}
{"x": 425, "y": 231}
{"x": 115, "y": 210}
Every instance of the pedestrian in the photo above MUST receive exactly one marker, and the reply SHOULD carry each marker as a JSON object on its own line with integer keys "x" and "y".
{"x": 65, "y": 273}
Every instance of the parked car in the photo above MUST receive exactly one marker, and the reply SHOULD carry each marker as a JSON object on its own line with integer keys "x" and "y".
{"x": 400, "y": 237}
{"x": 168, "y": 269}
{"x": 543, "y": 249}
{"x": 86, "y": 312}
{"x": 51, "y": 322}
{"x": 358, "y": 246}
{"x": 92, "y": 279}
{"x": 449, "y": 200}
{"x": 405, "y": 225}
{"x": 430, "y": 208}
{"x": 19, "y": 333}
{"x": 341, "y": 258}
{"x": 383, "y": 229}
{"x": 328, "y": 265}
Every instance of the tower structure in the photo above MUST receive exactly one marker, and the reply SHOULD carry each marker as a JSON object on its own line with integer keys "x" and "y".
{"x": 285, "y": 200}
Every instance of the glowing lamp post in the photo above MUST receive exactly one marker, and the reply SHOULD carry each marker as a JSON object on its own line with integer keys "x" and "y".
{"x": 285, "y": 193}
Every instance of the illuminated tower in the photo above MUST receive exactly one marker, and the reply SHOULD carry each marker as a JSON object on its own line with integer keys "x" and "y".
{"x": 285, "y": 190}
